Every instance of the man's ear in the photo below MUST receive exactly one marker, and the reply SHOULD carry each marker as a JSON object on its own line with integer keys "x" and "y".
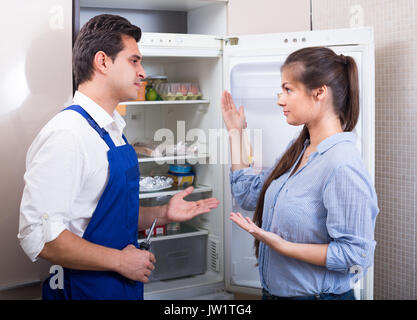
{"x": 101, "y": 62}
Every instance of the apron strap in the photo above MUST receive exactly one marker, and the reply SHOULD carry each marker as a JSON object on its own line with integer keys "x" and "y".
{"x": 102, "y": 132}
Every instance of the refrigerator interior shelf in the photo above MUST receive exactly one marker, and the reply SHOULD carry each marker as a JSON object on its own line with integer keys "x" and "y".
{"x": 172, "y": 191}
{"x": 165, "y": 102}
{"x": 183, "y": 233}
{"x": 174, "y": 159}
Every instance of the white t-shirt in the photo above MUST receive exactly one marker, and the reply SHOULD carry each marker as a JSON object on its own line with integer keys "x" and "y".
{"x": 66, "y": 174}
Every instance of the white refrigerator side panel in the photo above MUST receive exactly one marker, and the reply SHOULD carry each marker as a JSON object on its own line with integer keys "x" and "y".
{"x": 36, "y": 82}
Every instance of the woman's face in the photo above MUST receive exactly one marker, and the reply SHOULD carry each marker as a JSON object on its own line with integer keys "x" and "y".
{"x": 296, "y": 101}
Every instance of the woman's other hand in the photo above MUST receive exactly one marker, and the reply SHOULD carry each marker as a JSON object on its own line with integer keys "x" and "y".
{"x": 247, "y": 224}
{"x": 271, "y": 239}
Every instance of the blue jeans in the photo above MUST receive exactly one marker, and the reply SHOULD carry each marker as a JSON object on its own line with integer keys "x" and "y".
{"x": 349, "y": 295}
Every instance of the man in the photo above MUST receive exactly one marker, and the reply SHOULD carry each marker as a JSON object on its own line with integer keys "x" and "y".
{"x": 80, "y": 205}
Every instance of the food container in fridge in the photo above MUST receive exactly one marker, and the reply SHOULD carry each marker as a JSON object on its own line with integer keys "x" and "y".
{"x": 153, "y": 81}
{"x": 178, "y": 91}
{"x": 182, "y": 179}
{"x": 194, "y": 92}
{"x": 180, "y": 168}
{"x": 179, "y": 253}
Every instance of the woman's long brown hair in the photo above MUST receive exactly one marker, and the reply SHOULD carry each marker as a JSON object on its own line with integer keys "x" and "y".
{"x": 317, "y": 66}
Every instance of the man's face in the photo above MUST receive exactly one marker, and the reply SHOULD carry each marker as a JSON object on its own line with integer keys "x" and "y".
{"x": 127, "y": 71}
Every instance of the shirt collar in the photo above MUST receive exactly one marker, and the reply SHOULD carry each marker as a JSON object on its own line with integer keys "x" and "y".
{"x": 331, "y": 141}
{"x": 99, "y": 115}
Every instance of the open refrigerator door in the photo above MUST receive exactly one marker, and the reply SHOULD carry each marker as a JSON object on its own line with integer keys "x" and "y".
{"x": 252, "y": 75}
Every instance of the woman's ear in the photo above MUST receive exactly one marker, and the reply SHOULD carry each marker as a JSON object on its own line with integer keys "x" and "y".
{"x": 320, "y": 93}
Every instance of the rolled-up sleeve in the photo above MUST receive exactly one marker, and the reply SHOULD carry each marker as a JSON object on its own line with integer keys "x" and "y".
{"x": 53, "y": 177}
{"x": 351, "y": 204}
{"x": 246, "y": 186}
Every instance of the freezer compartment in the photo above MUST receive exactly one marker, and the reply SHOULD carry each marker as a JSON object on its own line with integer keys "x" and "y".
{"x": 179, "y": 253}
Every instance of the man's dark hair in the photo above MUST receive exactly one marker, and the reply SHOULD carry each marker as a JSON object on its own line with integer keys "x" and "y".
{"x": 101, "y": 33}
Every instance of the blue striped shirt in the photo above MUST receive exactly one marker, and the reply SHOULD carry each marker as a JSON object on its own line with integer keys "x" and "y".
{"x": 331, "y": 200}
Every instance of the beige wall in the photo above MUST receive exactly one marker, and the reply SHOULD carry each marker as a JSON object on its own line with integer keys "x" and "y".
{"x": 267, "y": 16}
{"x": 395, "y": 30}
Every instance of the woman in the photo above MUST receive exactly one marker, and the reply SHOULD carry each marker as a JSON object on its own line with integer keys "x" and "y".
{"x": 315, "y": 209}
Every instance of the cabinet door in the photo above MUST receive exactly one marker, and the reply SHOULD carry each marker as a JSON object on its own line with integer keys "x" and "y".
{"x": 252, "y": 75}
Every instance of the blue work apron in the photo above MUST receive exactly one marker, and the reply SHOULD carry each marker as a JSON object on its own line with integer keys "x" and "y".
{"x": 114, "y": 224}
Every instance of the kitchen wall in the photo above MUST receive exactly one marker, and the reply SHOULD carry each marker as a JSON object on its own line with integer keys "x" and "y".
{"x": 267, "y": 16}
{"x": 395, "y": 28}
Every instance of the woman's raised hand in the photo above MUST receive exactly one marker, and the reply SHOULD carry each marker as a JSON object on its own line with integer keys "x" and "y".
{"x": 233, "y": 118}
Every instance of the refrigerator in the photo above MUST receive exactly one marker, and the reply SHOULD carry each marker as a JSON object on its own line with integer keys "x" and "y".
{"x": 37, "y": 83}
{"x": 248, "y": 67}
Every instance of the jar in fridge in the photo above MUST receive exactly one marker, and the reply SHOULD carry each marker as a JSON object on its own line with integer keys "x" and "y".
{"x": 155, "y": 80}
{"x": 142, "y": 91}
